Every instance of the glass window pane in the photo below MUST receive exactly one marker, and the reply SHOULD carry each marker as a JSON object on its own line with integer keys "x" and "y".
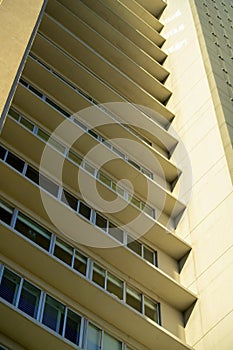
{"x": 134, "y": 245}
{"x": 101, "y": 222}
{"x": 134, "y": 164}
{"x": 118, "y": 189}
{"x": 148, "y": 254}
{"x": 15, "y": 162}
{"x": 98, "y": 275}
{"x": 57, "y": 145}
{"x": 93, "y": 338}
{"x": 9, "y": 286}
{"x": 111, "y": 343}
{"x": 26, "y": 123}
{"x": 151, "y": 309}
{"x": 33, "y": 231}
{"x": 14, "y": 114}
{"x": 6, "y": 212}
{"x": 48, "y": 185}
{"x": 91, "y": 132}
{"x": 53, "y": 316}
{"x": 80, "y": 263}
{"x": 134, "y": 298}
{"x": 63, "y": 251}
{"x": 69, "y": 200}
{"x": 73, "y": 323}
{"x": 2, "y": 152}
{"x": 104, "y": 179}
{"x": 84, "y": 210}
{"x": 135, "y": 201}
{"x": 32, "y": 174}
{"x": 38, "y": 93}
{"x": 89, "y": 168}
{"x": 75, "y": 158}
{"x": 148, "y": 210}
{"x": 116, "y": 232}
{"x": 115, "y": 285}
{"x": 117, "y": 151}
{"x": 29, "y": 299}
{"x": 43, "y": 135}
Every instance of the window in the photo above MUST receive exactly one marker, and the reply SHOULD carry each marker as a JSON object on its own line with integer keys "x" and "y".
{"x": 116, "y": 232}
{"x": 135, "y": 201}
{"x": 15, "y": 162}
{"x": 93, "y": 337}
{"x": 63, "y": 251}
{"x": 89, "y": 168}
{"x": 72, "y": 330}
{"x": 6, "y": 212}
{"x": 151, "y": 309}
{"x": 26, "y": 123}
{"x": 84, "y": 210}
{"x": 70, "y": 200}
{"x": 53, "y": 316}
{"x": 80, "y": 263}
{"x": 2, "y": 152}
{"x": 115, "y": 285}
{"x": 9, "y": 286}
{"x": 148, "y": 255}
{"x": 104, "y": 179}
{"x": 74, "y": 157}
{"x": 41, "y": 180}
{"x": 29, "y": 299}
{"x": 101, "y": 222}
{"x": 111, "y": 343}
{"x": 134, "y": 245}
{"x": 134, "y": 299}
{"x": 15, "y": 115}
{"x": 98, "y": 275}
{"x": 118, "y": 189}
{"x": 33, "y": 231}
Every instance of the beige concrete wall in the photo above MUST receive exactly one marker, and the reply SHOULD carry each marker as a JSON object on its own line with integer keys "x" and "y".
{"x": 207, "y": 223}
{"x": 17, "y": 18}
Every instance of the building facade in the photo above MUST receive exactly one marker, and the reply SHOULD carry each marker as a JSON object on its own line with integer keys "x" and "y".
{"x": 116, "y": 175}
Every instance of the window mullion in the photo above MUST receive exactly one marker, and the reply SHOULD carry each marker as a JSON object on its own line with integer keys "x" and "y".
{"x": 19, "y": 292}
{"x": 41, "y": 306}
{"x": 14, "y": 218}
{"x": 64, "y": 322}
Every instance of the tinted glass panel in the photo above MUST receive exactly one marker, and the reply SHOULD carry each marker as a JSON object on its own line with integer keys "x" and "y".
{"x": 148, "y": 255}
{"x": 9, "y": 286}
{"x": 29, "y": 299}
{"x": 134, "y": 245}
{"x": 53, "y": 316}
{"x": 80, "y": 263}
{"x": 2, "y": 152}
{"x": 101, "y": 222}
{"x": 93, "y": 338}
{"x": 15, "y": 162}
{"x": 70, "y": 200}
{"x": 6, "y": 212}
{"x": 73, "y": 323}
{"x": 114, "y": 285}
{"x": 116, "y": 232}
{"x": 26, "y": 123}
{"x": 63, "y": 251}
{"x": 84, "y": 210}
{"x": 111, "y": 343}
{"x": 133, "y": 298}
{"x": 98, "y": 275}
{"x": 151, "y": 309}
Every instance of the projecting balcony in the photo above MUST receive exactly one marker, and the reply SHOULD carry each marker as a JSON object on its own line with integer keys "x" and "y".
{"x": 158, "y": 197}
{"x": 155, "y": 7}
{"x": 158, "y": 235}
{"x": 98, "y": 65}
{"x": 106, "y": 49}
{"x": 28, "y": 332}
{"x": 76, "y": 74}
{"x": 85, "y": 293}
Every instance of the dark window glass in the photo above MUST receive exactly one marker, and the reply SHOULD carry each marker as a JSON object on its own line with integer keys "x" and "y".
{"x": 33, "y": 231}
{"x": 2, "y": 152}
{"x": 134, "y": 299}
{"x": 15, "y": 162}
{"x": 58, "y": 108}
{"x": 148, "y": 255}
{"x": 134, "y": 245}
{"x": 38, "y": 93}
{"x": 63, "y": 251}
{"x": 29, "y": 299}
{"x": 84, "y": 210}
{"x": 80, "y": 263}
{"x": 134, "y": 164}
{"x": 70, "y": 200}
{"x": 73, "y": 323}
{"x": 101, "y": 222}
{"x": 14, "y": 114}
{"x": 41, "y": 180}
{"x": 9, "y": 286}
{"x": 32, "y": 174}
{"x": 6, "y": 212}
{"x": 27, "y": 123}
{"x": 98, "y": 275}
{"x": 91, "y": 132}
{"x": 151, "y": 309}
{"x": 115, "y": 285}
{"x": 116, "y": 232}
{"x": 53, "y": 316}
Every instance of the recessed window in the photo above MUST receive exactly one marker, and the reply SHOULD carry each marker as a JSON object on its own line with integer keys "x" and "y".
{"x": 53, "y": 316}
{"x": 84, "y": 210}
{"x": 94, "y": 336}
{"x": 41, "y": 180}
{"x": 70, "y": 200}
{"x": 73, "y": 324}
{"x": 26, "y": 123}
{"x": 2, "y": 152}
{"x": 33, "y": 231}
{"x": 148, "y": 254}
{"x": 9, "y": 286}
{"x": 29, "y": 299}
{"x": 111, "y": 343}
{"x": 101, "y": 222}
{"x": 80, "y": 263}
{"x": 134, "y": 245}
{"x": 15, "y": 115}
{"x": 75, "y": 158}
{"x": 116, "y": 232}
{"x": 38, "y": 93}
{"x": 151, "y": 309}
{"x": 115, "y": 285}
{"x": 134, "y": 298}
{"x": 104, "y": 179}
{"x": 63, "y": 251}
{"x": 98, "y": 275}
{"x": 15, "y": 162}
{"x": 6, "y": 212}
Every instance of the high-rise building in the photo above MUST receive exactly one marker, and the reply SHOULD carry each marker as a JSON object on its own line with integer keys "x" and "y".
{"x": 116, "y": 175}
